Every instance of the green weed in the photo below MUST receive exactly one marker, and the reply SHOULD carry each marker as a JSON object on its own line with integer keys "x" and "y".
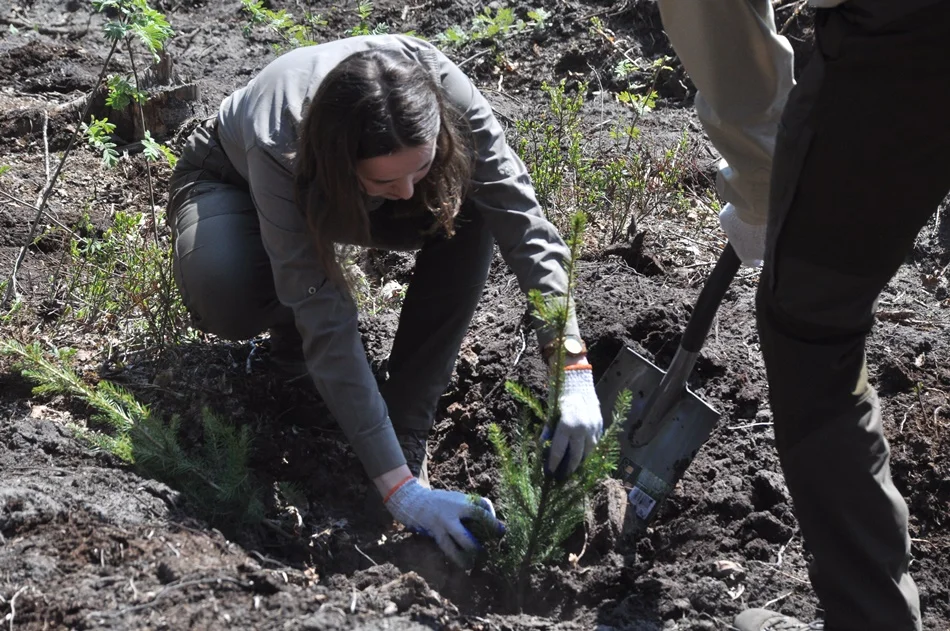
{"x": 364, "y": 11}
{"x": 98, "y": 135}
{"x": 493, "y": 26}
{"x": 121, "y": 281}
{"x": 616, "y": 184}
{"x": 292, "y": 34}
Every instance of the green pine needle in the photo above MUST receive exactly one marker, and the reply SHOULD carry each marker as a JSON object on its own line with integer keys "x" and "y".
{"x": 215, "y": 478}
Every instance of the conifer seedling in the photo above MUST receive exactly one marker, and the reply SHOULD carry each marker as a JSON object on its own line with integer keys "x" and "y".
{"x": 541, "y": 511}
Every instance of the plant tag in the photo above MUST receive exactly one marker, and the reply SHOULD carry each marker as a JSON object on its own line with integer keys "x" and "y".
{"x": 641, "y": 501}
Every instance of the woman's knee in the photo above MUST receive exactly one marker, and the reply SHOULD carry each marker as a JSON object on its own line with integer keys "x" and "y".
{"x": 225, "y": 277}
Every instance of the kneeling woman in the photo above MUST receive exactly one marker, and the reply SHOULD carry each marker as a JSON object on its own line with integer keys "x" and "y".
{"x": 378, "y": 141}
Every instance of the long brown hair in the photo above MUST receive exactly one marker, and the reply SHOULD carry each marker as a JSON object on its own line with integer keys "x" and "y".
{"x": 373, "y": 103}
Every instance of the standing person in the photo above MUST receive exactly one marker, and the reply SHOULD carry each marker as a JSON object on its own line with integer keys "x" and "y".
{"x": 378, "y": 141}
{"x": 861, "y": 163}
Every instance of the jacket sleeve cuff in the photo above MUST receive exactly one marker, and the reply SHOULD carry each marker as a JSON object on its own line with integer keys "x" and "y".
{"x": 379, "y": 452}
{"x": 546, "y": 334}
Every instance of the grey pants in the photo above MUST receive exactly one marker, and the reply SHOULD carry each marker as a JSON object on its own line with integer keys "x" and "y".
{"x": 861, "y": 163}
{"x": 225, "y": 277}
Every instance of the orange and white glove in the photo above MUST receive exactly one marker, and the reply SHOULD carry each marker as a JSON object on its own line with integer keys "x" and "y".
{"x": 581, "y": 424}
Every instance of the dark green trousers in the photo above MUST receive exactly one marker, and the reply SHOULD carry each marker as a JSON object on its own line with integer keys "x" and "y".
{"x": 226, "y": 281}
{"x": 861, "y": 162}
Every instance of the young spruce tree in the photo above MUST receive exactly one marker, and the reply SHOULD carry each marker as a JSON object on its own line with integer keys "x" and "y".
{"x": 539, "y": 511}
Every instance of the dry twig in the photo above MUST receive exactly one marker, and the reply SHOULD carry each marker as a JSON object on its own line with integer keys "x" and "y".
{"x": 10, "y": 616}
{"x": 365, "y": 556}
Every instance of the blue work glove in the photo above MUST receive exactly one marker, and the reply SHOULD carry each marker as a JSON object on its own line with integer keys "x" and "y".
{"x": 440, "y": 515}
{"x": 581, "y": 424}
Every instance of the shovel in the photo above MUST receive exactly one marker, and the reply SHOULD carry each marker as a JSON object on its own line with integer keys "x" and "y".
{"x": 667, "y": 423}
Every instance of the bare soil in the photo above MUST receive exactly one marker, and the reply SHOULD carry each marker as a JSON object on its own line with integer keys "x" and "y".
{"x": 87, "y": 543}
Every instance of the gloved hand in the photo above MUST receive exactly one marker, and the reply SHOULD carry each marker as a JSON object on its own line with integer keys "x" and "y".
{"x": 581, "y": 424}
{"x": 439, "y": 514}
{"x": 748, "y": 240}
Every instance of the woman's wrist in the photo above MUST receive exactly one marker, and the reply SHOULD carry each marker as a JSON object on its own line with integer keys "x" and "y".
{"x": 387, "y": 481}
{"x": 580, "y": 361}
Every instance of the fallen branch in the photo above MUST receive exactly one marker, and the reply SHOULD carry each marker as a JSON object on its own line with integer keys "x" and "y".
{"x": 775, "y": 600}
{"x": 798, "y": 9}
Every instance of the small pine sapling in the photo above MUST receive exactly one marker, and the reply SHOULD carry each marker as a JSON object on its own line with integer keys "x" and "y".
{"x": 215, "y": 478}
{"x": 540, "y": 512}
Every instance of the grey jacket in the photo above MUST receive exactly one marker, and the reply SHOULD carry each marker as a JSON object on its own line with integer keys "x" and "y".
{"x": 258, "y": 127}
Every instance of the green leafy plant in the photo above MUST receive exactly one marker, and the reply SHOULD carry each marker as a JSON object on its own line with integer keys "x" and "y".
{"x": 99, "y": 136}
{"x": 135, "y": 21}
{"x": 155, "y": 151}
{"x": 121, "y": 280}
{"x": 214, "y": 479}
{"x": 551, "y": 145}
{"x": 121, "y": 93}
{"x": 616, "y": 184}
{"x": 364, "y": 11}
{"x": 293, "y": 34}
{"x": 494, "y": 26}
{"x": 540, "y": 512}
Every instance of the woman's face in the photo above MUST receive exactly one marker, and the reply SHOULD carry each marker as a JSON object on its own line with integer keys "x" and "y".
{"x": 394, "y": 176}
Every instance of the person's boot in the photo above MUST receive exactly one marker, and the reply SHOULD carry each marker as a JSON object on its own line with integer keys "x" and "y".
{"x": 765, "y": 620}
{"x": 286, "y": 353}
{"x": 414, "y": 443}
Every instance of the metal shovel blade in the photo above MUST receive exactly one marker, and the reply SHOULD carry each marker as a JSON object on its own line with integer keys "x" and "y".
{"x": 650, "y": 466}
{"x": 667, "y": 423}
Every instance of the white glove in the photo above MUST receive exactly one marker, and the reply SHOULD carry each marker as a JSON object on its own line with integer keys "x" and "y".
{"x": 748, "y": 240}
{"x": 581, "y": 424}
{"x": 439, "y": 515}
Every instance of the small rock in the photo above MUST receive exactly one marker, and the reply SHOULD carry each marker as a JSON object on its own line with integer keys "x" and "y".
{"x": 263, "y": 583}
{"x": 706, "y": 593}
{"x": 455, "y": 411}
{"x": 391, "y": 290}
{"x": 674, "y": 609}
{"x": 24, "y": 508}
{"x": 758, "y": 550}
{"x": 767, "y": 526}
{"x": 893, "y": 378}
{"x": 390, "y": 608}
{"x": 408, "y": 589}
{"x": 768, "y": 489}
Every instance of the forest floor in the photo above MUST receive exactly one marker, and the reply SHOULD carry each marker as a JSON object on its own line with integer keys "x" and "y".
{"x": 86, "y": 542}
